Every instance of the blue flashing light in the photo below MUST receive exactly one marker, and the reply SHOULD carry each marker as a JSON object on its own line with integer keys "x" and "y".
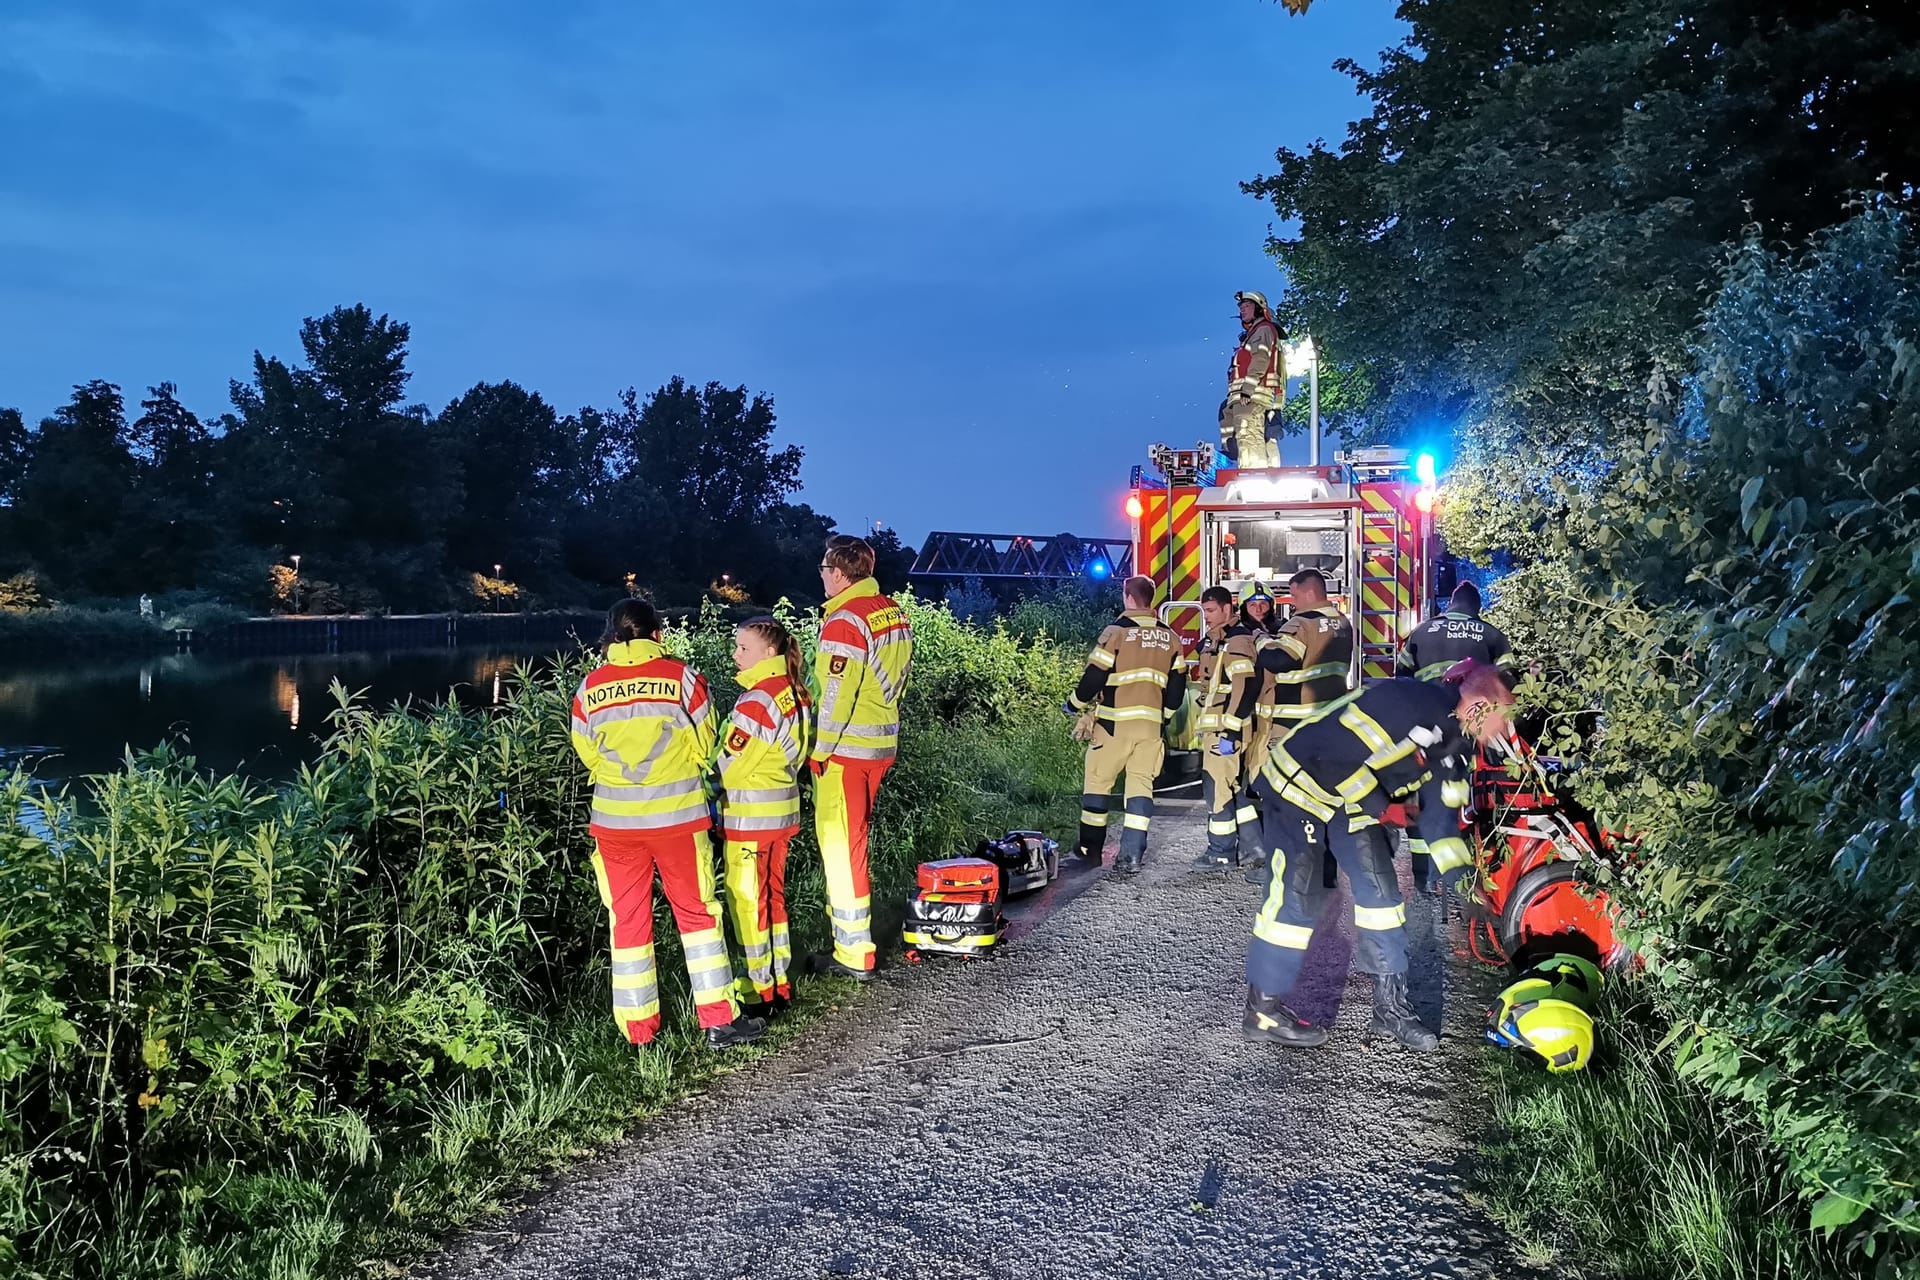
{"x": 1098, "y": 568}
{"x": 1425, "y": 468}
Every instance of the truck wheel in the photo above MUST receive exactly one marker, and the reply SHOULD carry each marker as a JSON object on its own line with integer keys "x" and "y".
{"x": 1545, "y": 904}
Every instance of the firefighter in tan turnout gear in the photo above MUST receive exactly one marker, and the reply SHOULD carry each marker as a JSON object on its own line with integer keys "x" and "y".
{"x": 1258, "y": 623}
{"x": 1256, "y": 385}
{"x": 1224, "y": 673}
{"x": 1134, "y": 682}
{"x": 1303, "y": 667}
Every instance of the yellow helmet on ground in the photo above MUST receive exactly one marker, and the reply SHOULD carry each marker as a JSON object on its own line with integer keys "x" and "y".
{"x": 1560, "y": 1032}
{"x": 1500, "y": 1015}
{"x": 1575, "y": 978}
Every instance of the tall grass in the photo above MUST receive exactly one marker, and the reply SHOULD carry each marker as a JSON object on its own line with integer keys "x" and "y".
{"x": 252, "y": 1032}
{"x": 1628, "y": 1172}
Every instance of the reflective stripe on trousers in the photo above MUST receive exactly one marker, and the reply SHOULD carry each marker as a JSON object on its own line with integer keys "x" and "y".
{"x": 1297, "y": 895}
{"x": 1136, "y": 757}
{"x": 843, "y": 815}
{"x": 1220, "y": 778}
{"x": 756, "y": 895}
{"x": 624, "y": 866}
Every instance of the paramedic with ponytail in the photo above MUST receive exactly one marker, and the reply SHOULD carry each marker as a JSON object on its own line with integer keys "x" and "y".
{"x": 761, "y": 758}
{"x": 643, "y": 725}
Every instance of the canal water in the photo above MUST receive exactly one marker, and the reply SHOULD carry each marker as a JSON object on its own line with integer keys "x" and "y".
{"x": 262, "y": 716}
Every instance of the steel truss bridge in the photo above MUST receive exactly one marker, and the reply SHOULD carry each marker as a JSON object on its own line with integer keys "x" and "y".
{"x": 990, "y": 556}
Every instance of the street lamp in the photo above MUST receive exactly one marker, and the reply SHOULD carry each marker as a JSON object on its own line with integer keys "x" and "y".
{"x": 1304, "y": 354}
{"x": 296, "y": 598}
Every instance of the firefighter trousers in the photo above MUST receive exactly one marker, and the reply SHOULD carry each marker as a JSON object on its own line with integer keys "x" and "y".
{"x": 1301, "y": 838}
{"x": 757, "y": 901}
{"x": 1246, "y": 815}
{"x": 1220, "y": 780}
{"x": 1136, "y": 756}
{"x": 842, "y": 814}
{"x": 1246, "y": 423}
{"x": 625, "y": 866}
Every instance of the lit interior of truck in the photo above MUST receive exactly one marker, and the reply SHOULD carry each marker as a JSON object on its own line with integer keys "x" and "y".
{"x": 1272, "y": 546}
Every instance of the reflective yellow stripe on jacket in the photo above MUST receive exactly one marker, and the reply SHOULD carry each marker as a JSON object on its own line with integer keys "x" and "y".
{"x": 762, "y": 755}
{"x": 644, "y": 727}
{"x": 865, "y": 653}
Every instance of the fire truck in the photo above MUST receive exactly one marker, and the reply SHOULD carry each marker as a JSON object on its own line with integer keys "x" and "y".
{"x": 1365, "y": 522}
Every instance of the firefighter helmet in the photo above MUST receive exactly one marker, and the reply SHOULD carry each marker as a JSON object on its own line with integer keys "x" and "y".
{"x": 1258, "y": 299}
{"x": 1559, "y": 1032}
{"x": 1250, "y": 590}
{"x": 1575, "y": 978}
{"x": 1500, "y": 1028}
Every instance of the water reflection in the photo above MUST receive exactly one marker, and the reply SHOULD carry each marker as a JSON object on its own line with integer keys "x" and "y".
{"x": 262, "y": 716}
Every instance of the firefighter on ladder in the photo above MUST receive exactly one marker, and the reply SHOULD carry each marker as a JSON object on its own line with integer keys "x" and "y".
{"x": 866, "y": 649}
{"x": 1224, "y": 671}
{"x": 1256, "y": 385}
{"x": 1134, "y": 683}
{"x": 1304, "y": 667}
{"x": 1398, "y": 750}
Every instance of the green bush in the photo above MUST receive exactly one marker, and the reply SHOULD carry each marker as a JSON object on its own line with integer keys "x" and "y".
{"x": 1074, "y": 613}
{"x": 68, "y": 630}
{"x": 1738, "y": 601}
{"x": 253, "y": 1032}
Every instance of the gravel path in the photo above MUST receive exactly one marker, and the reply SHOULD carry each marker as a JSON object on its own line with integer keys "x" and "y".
{"x": 1082, "y": 1106}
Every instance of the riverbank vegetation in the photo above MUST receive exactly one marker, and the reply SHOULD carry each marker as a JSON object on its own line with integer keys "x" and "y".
{"x": 298, "y": 1032}
{"x": 1672, "y": 356}
{"x": 320, "y": 465}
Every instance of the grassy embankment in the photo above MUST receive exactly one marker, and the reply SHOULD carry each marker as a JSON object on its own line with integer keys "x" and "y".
{"x": 248, "y": 1032}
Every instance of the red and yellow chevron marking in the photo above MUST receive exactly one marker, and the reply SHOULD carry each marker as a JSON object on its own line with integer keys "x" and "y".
{"x": 1169, "y": 551}
{"x": 1389, "y": 586}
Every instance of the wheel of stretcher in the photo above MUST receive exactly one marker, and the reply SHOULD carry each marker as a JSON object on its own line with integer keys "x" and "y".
{"x": 1546, "y": 904}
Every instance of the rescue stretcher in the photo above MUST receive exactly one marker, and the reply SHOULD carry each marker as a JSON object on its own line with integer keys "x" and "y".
{"x": 1530, "y": 838}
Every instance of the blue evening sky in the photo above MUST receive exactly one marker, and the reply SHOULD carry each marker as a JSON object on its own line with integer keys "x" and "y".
{"x": 980, "y": 255}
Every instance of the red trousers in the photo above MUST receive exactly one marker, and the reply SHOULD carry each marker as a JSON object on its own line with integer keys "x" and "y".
{"x": 625, "y": 866}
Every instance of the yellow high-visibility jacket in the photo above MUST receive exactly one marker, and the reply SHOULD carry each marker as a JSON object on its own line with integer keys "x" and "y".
{"x": 761, "y": 758}
{"x": 866, "y": 650}
{"x": 643, "y": 724}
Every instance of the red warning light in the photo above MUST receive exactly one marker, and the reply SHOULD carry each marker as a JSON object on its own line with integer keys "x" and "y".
{"x": 1134, "y": 508}
{"x": 1424, "y": 500}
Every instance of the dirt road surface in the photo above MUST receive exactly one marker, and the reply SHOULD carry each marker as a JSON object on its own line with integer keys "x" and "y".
{"x": 1081, "y": 1106}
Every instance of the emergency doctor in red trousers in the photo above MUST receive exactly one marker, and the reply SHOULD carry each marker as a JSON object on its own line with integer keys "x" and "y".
{"x": 644, "y": 726}
{"x": 866, "y": 648}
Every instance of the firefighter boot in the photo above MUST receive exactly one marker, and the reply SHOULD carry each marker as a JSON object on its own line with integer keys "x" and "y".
{"x": 1393, "y": 1014}
{"x": 743, "y": 1030}
{"x": 1268, "y": 1018}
